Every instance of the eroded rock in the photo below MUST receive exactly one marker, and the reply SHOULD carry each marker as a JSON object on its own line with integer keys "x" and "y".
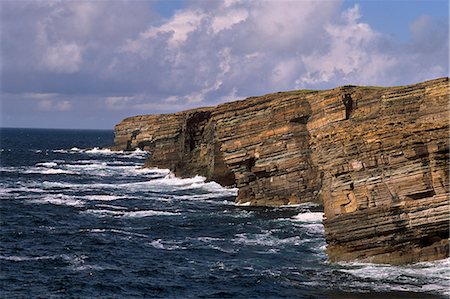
{"x": 377, "y": 158}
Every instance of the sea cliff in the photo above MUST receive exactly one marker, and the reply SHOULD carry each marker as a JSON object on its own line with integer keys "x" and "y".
{"x": 376, "y": 158}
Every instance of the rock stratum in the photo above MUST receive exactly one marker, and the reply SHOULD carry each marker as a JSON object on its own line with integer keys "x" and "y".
{"x": 376, "y": 158}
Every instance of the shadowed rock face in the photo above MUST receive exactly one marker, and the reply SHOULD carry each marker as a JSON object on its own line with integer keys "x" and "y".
{"x": 377, "y": 158}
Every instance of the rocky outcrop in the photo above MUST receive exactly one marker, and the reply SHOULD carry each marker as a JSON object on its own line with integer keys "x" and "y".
{"x": 377, "y": 158}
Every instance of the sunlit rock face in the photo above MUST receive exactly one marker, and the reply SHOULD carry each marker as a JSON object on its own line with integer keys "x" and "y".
{"x": 376, "y": 158}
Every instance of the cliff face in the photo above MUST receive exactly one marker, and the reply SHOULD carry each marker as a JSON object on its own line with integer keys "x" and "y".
{"x": 377, "y": 158}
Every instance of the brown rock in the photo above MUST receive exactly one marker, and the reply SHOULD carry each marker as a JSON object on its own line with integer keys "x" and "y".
{"x": 376, "y": 157}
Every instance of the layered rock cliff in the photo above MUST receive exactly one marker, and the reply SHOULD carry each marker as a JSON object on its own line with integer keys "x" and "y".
{"x": 377, "y": 158}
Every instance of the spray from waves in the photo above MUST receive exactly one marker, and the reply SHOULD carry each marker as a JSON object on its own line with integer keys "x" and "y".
{"x": 171, "y": 182}
{"x": 309, "y": 217}
{"x": 94, "y": 168}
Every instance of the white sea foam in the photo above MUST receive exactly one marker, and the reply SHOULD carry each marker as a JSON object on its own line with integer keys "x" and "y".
{"x": 196, "y": 182}
{"x": 99, "y": 168}
{"x": 58, "y": 199}
{"x": 101, "y": 197}
{"x": 111, "y": 207}
{"x": 129, "y": 214}
{"x": 47, "y": 164}
{"x": 101, "y": 151}
{"x": 266, "y": 239}
{"x": 17, "y": 258}
{"x": 159, "y": 171}
{"x": 5, "y": 191}
{"x": 46, "y": 171}
{"x": 9, "y": 169}
{"x": 243, "y": 204}
{"x": 171, "y": 180}
{"x": 147, "y": 213}
{"x": 117, "y": 231}
{"x": 138, "y": 153}
{"x": 412, "y": 276}
{"x": 25, "y": 189}
{"x": 36, "y": 170}
{"x": 88, "y": 166}
{"x": 309, "y": 217}
{"x": 158, "y": 244}
{"x": 55, "y": 171}
{"x": 209, "y": 239}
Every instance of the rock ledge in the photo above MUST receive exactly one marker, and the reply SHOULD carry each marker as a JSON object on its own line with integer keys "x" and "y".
{"x": 376, "y": 158}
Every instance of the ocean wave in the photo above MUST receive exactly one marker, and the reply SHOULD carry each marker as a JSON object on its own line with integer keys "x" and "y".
{"x": 102, "y": 197}
{"x": 138, "y": 153}
{"x": 106, "y": 169}
{"x": 209, "y": 239}
{"x": 196, "y": 182}
{"x": 19, "y": 188}
{"x": 47, "y": 164}
{"x": 37, "y": 170}
{"x": 112, "y": 230}
{"x": 309, "y": 217}
{"x": 111, "y": 207}
{"x": 9, "y": 169}
{"x": 130, "y": 214}
{"x": 58, "y": 199}
{"x": 17, "y": 258}
{"x": 266, "y": 239}
{"x": 50, "y": 171}
{"x": 158, "y": 244}
{"x": 427, "y": 276}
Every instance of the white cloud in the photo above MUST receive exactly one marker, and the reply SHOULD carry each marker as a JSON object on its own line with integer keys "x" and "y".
{"x": 54, "y": 105}
{"x": 228, "y": 19}
{"x": 207, "y": 52}
{"x": 177, "y": 30}
{"x": 120, "y": 102}
{"x": 351, "y": 55}
{"x": 63, "y": 58}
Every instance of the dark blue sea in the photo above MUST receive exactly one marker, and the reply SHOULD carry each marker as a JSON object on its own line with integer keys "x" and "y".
{"x": 80, "y": 221}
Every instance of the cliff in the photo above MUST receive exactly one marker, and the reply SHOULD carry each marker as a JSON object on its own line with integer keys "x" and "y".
{"x": 377, "y": 158}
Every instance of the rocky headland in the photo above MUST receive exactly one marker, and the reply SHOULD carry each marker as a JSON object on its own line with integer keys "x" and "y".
{"x": 376, "y": 158}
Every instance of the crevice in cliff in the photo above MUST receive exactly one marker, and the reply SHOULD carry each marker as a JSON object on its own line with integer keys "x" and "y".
{"x": 348, "y": 103}
{"x": 195, "y": 126}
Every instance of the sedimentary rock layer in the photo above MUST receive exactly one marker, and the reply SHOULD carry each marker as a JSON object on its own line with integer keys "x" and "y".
{"x": 377, "y": 158}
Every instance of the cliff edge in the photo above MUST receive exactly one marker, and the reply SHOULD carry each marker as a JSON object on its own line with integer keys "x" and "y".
{"x": 376, "y": 158}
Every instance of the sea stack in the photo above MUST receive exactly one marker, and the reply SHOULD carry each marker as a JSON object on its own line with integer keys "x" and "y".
{"x": 377, "y": 159}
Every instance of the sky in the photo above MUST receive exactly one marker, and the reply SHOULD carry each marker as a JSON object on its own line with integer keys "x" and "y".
{"x": 89, "y": 64}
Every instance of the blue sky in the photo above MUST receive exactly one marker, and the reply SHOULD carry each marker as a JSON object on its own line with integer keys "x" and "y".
{"x": 89, "y": 64}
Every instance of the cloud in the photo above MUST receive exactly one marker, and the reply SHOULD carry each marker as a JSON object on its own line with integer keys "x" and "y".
{"x": 133, "y": 60}
{"x": 54, "y": 105}
{"x": 49, "y": 101}
{"x": 63, "y": 58}
{"x": 350, "y": 56}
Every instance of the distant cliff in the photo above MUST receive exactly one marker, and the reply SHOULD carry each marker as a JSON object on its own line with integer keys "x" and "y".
{"x": 377, "y": 158}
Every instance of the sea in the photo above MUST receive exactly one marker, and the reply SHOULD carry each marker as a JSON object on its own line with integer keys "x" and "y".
{"x": 78, "y": 220}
